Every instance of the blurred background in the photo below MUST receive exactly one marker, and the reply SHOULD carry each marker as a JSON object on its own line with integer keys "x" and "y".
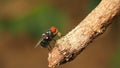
{"x": 23, "y": 21}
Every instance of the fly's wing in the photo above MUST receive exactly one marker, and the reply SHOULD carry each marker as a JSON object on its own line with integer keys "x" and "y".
{"x": 38, "y": 43}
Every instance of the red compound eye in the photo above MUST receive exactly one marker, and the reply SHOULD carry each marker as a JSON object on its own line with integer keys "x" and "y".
{"x": 53, "y": 29}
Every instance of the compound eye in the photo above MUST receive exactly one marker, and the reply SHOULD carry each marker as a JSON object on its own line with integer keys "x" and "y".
{"x": 53, "y": 29}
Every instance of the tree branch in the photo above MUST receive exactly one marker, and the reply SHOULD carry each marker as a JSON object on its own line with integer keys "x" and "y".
{"x": 70, "y": 45}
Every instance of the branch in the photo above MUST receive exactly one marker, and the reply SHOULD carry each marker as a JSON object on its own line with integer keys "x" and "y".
{"x": 72, "y": 44}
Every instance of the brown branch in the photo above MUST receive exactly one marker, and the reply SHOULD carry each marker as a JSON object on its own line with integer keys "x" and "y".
{"x": 70, "y": 45}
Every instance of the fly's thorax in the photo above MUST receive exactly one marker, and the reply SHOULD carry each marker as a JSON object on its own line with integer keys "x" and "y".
{"x": 44, "y": 36}
{"x": 50, "y": 34}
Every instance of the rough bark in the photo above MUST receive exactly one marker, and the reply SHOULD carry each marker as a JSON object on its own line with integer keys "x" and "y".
{"x": 72, "y": 44}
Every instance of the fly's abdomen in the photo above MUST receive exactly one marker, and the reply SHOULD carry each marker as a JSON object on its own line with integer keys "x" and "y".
{"x": 44, "y": 43}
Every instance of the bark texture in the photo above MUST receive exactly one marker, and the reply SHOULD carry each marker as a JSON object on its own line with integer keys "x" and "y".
{"x": 72, "y": 44}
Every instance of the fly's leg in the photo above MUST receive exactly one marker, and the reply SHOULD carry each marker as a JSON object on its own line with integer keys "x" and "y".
{"x": 54, "y": 40}
{"x": 49, "y": 47}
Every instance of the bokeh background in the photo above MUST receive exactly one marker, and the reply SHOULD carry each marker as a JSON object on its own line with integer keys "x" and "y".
{"x": 23, "y": 21}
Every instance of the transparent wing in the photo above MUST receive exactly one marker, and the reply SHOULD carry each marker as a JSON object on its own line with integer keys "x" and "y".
{"x": 38, "y": 43}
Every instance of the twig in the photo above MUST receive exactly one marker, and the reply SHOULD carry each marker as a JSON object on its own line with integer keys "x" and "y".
{"x": 70, "y": 45}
